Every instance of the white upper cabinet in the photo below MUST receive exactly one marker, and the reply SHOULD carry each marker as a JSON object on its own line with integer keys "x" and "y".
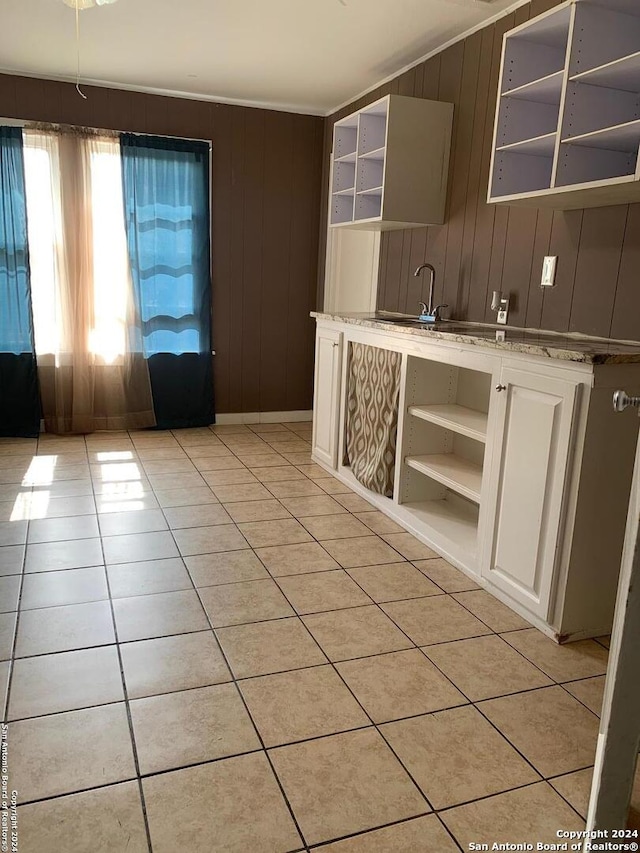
{"x": 567, "y": 128}
{"x": 390, "y": 164}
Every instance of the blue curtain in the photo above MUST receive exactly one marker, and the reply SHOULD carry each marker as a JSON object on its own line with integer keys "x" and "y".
{"x": 19, "y": 397}
{"x": 166, "y": 197}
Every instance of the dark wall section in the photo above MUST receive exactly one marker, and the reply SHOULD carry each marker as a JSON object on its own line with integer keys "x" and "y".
{"x": 265, "y": 224}
{"x": 482, "y": 247}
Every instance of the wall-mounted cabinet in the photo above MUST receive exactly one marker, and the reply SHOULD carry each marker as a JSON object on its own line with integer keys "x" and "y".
{"x": 390, "y": 164}
{"x": 567, "y": 130}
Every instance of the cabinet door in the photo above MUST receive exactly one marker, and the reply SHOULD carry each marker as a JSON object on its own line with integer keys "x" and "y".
{"x": 531, "y": 452}
{"x": 326, "y": 397}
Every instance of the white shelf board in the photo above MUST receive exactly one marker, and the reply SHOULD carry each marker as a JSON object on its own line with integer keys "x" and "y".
{"x": 538, "y": 146}
{"x": 620, "y": 137}
{"x": 459, "y": 419}
{"x": 545, "y": 90}
{"x": 551, "y": 28}
{"x": 348, "y": 191}
{"x": 450, "y": 520}
{"x": 622, "y": 74}
{"x": 452, "y": 471}
{"x": 346, "y": 158}
{"x": 372, "y": 191}
{"x": 377, "y": 154}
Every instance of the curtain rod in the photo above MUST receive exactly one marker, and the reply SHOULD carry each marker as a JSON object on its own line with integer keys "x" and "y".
{"x": 43, "y": 125}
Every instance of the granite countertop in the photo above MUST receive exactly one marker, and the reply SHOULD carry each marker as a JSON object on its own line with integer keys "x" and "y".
{"x": 565, "y": 347}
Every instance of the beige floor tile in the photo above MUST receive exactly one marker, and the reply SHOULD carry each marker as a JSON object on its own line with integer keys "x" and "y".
{"x": 438, "y": 619}
{"x": 225, "y": 567}
{"x": 138, "y": 547}
{"x": 575, "y": 788}
{"x": 124, "y": 490}
{"x": 262, "y": 534}
{"x": 180, "y": 465}
{"x": 148, "y": 577}
{"x": 54, "y": 556}
{"x": 539, "y": 810}
{"x": 492, "y": 612}
{"x": 185, "y": 497}
{"x": 302, "y": 704}
{"x": 410, "y": 547}
{"x": 196, "y": 516}
{"x": 61, "y": 629}
{"x": 567, "y": 662}
{"x": 400, "y": 684}
{"x": 345, "y": 783}
{"x": 80, "y": 822}
{"x": 301, "y": 457}
{"x": 146, "y": 616}
{"x": 445, "y": 575}
{"x": 194, "y": 480}
{"x": 241, "y": 492}
{"x": 283, "y": 560}
{"x": 234, "y": 477}
{"x": 343, "y": 526}
{"x": 486, "y": 667}
{"x": 311, "y": 506}
{"x": 9, "y": 593}
{"x": 207, "y": 723}
{"x": 243, "y": 602}
{"x": 331, "y": 486}
{"x": 11, "y": 559}
{"x": 268, "y": 647}
{"x": 261, "y": 460}
{"x": 550, "y": 728}
{"x": 379, "y": 523}
{"x": 590, "y": 692}
{"x": 604, "y": 641}
{"x": 68, "y": 752}
{"x": 354, "y": 633}
{"x": 266, "y": 510}
{"x": 314, "y": 472}
{"x": 143, "y": 521}
{"x": 361, "y": 551}
{"x": 62, "y": 529}
{"x": 456, "y": 756}
{"x": 159, "y": 453}
{"x": 65, "y": 682}
{"x": 13, "y": 533}
{"x": 394, "y": 582}
{"x": 7, "y": 628}
{"x": 277, "y": 474}
{"x": 321, "y": 591}
{"x": 72, "y": 586}
{"x": 202, "y": 454}
{"x": 49, "y": 507}
{"x": 419, "y": 835}
{"x": 233, "y": 805}
{"x": 209, "y": 540}
{"x": 295, "y": 489}
{"x": 168, "y": 664}
{"x": 353, "y": 502}
{"x": 4, "y": 685}
{"x": 107, "y": 504}
{"x": 267, "y": 429}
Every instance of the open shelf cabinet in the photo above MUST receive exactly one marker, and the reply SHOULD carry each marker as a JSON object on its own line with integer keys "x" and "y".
{"x": 394, "y": 153}
{"x": 567, "y": 131}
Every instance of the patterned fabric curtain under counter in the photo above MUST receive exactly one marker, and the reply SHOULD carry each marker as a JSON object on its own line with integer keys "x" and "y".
{"x": 372, "y": 416}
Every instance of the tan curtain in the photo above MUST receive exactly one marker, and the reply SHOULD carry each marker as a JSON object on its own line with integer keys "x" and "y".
{"x": 91, "y": 378}
{"x": 372, "y": 415}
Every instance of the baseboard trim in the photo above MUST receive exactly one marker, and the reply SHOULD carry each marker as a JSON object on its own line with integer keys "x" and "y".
{"x": 263, "y": 417}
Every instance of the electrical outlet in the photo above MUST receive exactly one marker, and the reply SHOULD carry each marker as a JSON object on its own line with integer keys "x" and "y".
{"x": 549, "y": 271}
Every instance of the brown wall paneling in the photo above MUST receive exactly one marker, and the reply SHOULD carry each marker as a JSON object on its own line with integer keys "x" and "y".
{"x": 266, "y": 186}
{"x": 481, "y": 247}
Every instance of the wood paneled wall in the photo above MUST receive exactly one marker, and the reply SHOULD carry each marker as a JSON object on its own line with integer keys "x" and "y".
{"x": 482, "y": 247}
{"x": 265, "y": 224}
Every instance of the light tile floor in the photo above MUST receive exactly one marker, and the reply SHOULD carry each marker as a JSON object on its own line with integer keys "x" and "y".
{"x": 220, "y": 647}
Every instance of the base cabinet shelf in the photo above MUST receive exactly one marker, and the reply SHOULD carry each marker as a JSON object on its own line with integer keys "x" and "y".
{"x": 512, "y": 467}
{"x": 567, "y": 128}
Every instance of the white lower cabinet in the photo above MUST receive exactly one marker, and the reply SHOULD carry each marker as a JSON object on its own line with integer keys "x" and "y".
{"x": 533, "y": 430}
{"x": 326, "y": 395}
{"x": 513, "y": 467}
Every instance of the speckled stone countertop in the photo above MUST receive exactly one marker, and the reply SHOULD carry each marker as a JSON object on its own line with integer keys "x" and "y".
{"x": 564, "y": 347}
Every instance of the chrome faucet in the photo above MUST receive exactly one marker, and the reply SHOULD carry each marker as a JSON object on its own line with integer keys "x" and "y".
{"x": 427, "y": 312}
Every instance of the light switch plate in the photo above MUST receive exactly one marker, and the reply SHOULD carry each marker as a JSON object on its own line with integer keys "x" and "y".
{"x": 549, "y": 271}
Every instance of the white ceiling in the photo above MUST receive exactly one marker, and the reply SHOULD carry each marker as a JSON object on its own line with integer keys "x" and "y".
{"x": 304, "y": 55}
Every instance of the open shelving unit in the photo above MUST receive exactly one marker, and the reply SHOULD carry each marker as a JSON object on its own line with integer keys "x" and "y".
{"x": 440, "y": 478}
{"x": 567, "y": 132}
{"x": 392, "y": 159}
